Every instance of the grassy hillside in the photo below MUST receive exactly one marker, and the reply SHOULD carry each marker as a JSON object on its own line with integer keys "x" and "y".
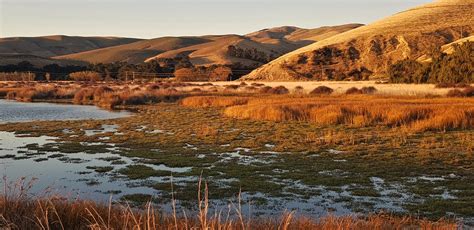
{"x": 369, "y": 50}
{"x": 267, "y": 44}
{"x": 136, "y": 52}
{"x": 214, "y": 49}
{"x": 50, "y": 46}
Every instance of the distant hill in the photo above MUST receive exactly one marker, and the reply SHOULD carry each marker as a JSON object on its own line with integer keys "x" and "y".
{"x": 39, "y": 50}
{"x": 13, "y": 59}
{"x": 254, "y": 48}
{"x": 369, "y": 50}
{"x": 50, "y": 46}
{"x": 136, "y": 52}
{"x": 212, "y": 49}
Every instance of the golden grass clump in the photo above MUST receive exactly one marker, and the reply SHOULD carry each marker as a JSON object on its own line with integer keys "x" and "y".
{"x": 415, "y": 114}
{"x": 213, "y": 101}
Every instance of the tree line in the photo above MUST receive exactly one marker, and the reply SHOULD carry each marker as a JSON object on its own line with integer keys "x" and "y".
{"x": 179, "y": 67}
{"x": 457, "y": 67}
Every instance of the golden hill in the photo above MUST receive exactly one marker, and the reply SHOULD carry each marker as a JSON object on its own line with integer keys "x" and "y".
{"x": 255, "y": 48}
{"x": 13, "y": 59}
{"x": 136, "y": 52}
{"x": 368, "y": 50}
{"x": 50, "y": 46}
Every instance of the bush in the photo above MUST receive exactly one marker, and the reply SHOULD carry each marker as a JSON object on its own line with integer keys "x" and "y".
{"x": 85, "y": 76}
{"x": 353, "y": 90}
{"x": 219, "y": 73}
{"x": 298, "y": 90}
{"x": 257, "y": 84}
{"x": 231, "y": 87}
{"x": 456, "y": 93}
{"x": 320, "y": 90}
{"x": 368, "y": 90}
{"x": 265, "y": 89}
{"x": 187, "y": 74}
{"x": 469, "y": 91}
{"x": 452, "y": 85}
{"x": 279, "y": 90}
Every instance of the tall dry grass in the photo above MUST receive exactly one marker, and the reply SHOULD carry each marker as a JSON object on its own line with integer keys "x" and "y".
{"x": 413, "y": 114}
{"x": 213, "y": 101}
{"x": 20, "y": 211}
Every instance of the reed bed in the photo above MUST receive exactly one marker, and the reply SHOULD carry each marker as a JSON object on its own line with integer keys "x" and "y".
{"x": 18, "y": 210}
{"x": 410, "y": 113}
{"x": 213, "y": 101}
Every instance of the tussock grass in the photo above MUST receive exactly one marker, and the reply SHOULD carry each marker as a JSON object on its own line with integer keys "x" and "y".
{"x": 213, "y": 101}
{"x": 19, "y": 211}
{"x": 413, "y": 114}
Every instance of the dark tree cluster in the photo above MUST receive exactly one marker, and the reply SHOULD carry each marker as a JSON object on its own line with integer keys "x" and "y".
{"x": 251, "y": 54}
{"x": 160, "y": 68}
{"x": 47, "y": 72}
{"x": 457, "y": 67}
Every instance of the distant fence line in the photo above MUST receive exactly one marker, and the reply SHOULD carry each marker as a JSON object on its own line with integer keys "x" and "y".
{"x": 127, "y": 75}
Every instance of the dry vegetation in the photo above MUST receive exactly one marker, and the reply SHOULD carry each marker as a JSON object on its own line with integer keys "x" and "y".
{"x": 413, "y": 114}
{"x": 19, "y": 211}
{"x": 357, "y": 108}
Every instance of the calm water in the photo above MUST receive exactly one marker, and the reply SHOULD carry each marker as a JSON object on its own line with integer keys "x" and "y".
{"x": 12, "y": 111}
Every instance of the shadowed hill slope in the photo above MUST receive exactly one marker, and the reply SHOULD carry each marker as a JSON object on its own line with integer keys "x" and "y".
{"x": 369, "y": 50}
{"x": 50, "y": 46}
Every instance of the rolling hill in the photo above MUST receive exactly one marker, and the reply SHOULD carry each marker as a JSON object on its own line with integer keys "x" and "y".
{"x": 50, "y": 46}
{"x": 39, "y": 50}
{"x": 255, "y": 48}
{"x": 368, "y": 50}
{"x": 212, "y": 49}
{"x": 136, "y": 52}
{"x": 13, "y": 59}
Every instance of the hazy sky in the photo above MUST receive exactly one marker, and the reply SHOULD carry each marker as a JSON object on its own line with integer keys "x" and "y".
{"x": 155, "y": 18}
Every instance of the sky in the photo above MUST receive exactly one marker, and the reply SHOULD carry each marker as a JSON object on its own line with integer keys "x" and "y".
{"x": 157, "y": 18}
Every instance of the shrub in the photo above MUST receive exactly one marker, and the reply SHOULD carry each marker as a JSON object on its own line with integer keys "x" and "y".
{"x": 85, "y": 76}
{"x": 353, "y": 90}
{"x": 469, "y": 91}
{"x": 298, "y": 90}
{"x": 231, "y": 87}
{"x": 265, "y": 89}
{"x": 368, "y": 90}
{"x": 257, "y": 84}
{"x": 321, "y": 90}
{"x": 452, "y": 85}
{"x": 456, "y": 93}
{"x": 279, "y": 90}
{"x": 219, "y": 73}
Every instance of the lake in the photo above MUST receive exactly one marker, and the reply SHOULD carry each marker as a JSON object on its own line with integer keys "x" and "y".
{"x": 12, "y": 111}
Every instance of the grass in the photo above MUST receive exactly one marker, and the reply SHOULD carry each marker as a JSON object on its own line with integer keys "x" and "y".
{"x": 213, "y": 101}
{"x": 413, "y": 114}
{"x": 392, "y": 149}
{"x": 19, "y": 211}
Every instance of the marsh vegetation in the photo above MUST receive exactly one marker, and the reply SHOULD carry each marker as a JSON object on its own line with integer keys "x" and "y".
{"x": 315, "y": 154}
